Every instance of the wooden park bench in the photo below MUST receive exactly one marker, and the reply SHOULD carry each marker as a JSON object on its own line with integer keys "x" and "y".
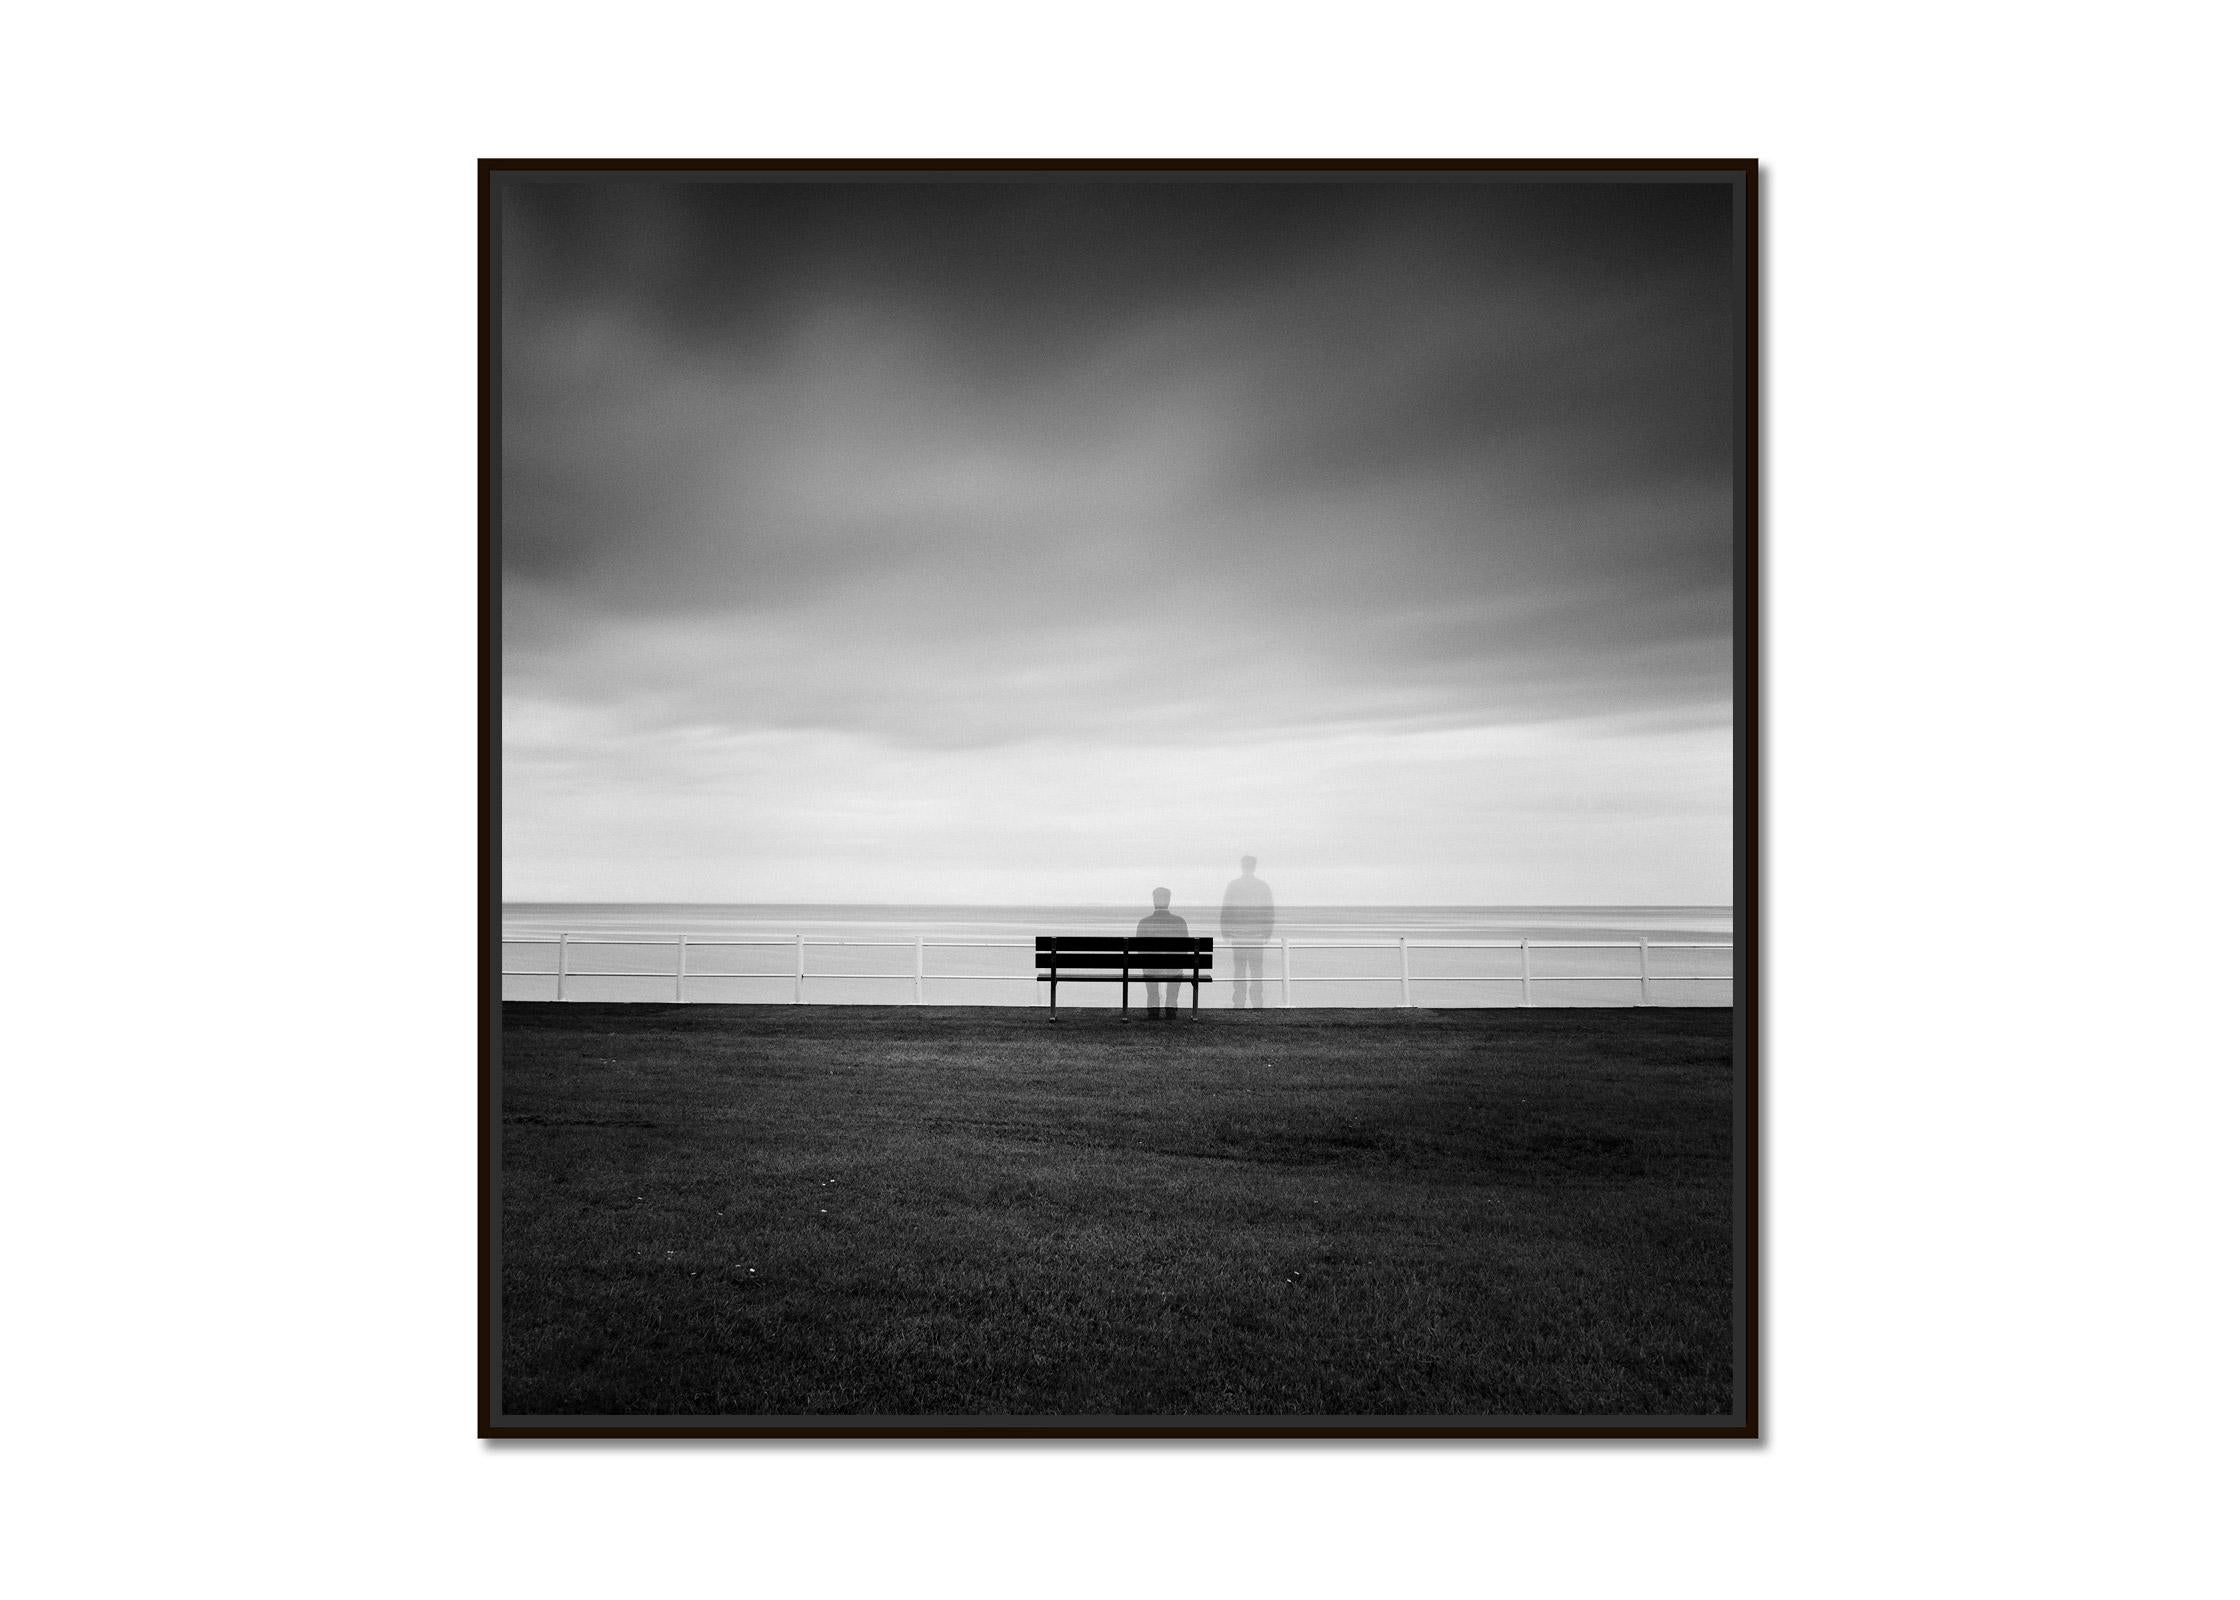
{"x": 1117, "y": 957}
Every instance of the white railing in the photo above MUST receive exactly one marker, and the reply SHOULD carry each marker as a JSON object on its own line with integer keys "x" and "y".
{"x": 802, "y": 944}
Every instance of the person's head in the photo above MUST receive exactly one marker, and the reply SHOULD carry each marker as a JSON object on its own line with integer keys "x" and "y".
{"x": 1159, "y": 899}
{"x": 1249, "y": 863}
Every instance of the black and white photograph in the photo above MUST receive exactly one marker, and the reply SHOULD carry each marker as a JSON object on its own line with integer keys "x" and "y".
{"x": 1118, "y": 799}
{"x": 1187, "y": 800}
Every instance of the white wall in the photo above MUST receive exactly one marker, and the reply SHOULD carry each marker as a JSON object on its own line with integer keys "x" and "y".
{"x": 1999, "y": 566}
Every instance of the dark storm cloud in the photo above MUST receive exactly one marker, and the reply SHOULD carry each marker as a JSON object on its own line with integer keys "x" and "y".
{"x": 951, "y": 463}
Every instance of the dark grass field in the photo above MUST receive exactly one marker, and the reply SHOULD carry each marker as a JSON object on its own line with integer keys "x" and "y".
{"x": 777, "y": 1210}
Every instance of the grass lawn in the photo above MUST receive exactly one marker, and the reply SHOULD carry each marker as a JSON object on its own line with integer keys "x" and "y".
{"x": 786, "y": 1210}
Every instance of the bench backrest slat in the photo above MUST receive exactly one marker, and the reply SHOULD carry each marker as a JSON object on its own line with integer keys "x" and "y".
{"x": 1164, "y": 960}
{"x": 1121, "y": 950}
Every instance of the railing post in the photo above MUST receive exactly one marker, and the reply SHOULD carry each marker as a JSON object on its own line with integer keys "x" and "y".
{"x": 1524, "y": 950}
{"x": 918, "y": 982}
{"x": 800, "y": 964}
{"x": 1407, "y": 997}
{"x": 560, "y": 990}
{"x": 680, "y": 968}
{"x": 1644, "y": 971}
{"x": 1287, "y": 974}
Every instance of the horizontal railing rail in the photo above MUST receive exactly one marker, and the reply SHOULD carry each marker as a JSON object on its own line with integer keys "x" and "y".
{"x": 802, "y": 944}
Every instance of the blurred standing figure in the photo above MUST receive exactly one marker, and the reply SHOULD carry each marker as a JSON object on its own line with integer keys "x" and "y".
{"x": 1248, "y": 917}
{"x": 1161, "y": 924}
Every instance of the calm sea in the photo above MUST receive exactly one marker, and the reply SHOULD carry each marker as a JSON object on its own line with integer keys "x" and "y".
{"x": 982, "y": 955}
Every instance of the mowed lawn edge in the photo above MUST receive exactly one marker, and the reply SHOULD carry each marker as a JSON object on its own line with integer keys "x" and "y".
{"x": 974, "y": 1212}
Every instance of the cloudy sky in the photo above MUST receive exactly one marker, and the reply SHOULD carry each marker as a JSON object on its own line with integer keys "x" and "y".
{"x": 1010, "y": 543}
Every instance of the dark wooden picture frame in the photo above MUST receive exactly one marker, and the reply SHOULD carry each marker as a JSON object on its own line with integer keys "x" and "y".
{"x": 1738, "y": 1421}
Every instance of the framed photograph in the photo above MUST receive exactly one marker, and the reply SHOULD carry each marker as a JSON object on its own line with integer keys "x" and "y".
{"x": 1119, "y": 799}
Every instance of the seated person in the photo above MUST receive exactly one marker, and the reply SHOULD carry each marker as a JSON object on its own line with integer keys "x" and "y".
{"x": 1162, "y": 924}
